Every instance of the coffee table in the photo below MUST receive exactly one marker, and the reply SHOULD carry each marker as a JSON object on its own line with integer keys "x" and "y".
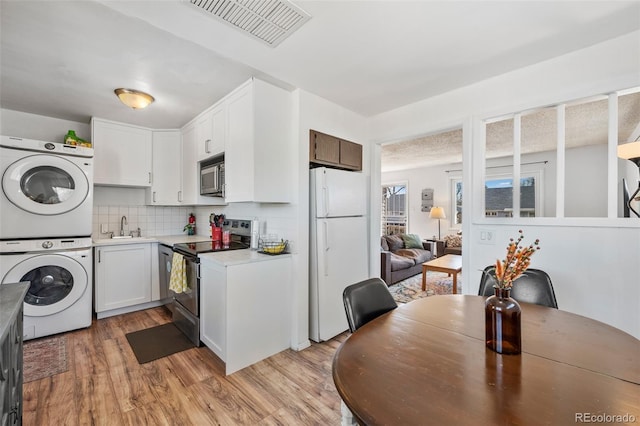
{"x": 450, "y": 264}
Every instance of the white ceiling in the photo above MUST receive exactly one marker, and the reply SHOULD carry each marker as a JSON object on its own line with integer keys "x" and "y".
{"x": 64, "y": 58}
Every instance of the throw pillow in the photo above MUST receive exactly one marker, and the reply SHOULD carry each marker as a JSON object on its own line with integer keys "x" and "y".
{"x": 411, "y": 241}
{"x": 383, "y": 244}
{"x": 453, "y": 240}
{"x": 394, "y": 242}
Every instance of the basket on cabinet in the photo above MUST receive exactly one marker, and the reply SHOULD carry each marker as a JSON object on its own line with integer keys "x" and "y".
{"x": 273, "y": 247}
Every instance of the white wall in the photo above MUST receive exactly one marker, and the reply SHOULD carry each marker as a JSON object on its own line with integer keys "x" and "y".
{"x": 586, "y": 182}
{"x": 593, "y": 262}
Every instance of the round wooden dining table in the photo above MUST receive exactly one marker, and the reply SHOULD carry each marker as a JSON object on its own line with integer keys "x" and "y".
{"x": 426, "y": 362}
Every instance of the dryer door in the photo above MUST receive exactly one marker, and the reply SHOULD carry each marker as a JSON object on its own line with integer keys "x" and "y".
{"x": 45, "y": 184}
{"x": 57, "y": 282}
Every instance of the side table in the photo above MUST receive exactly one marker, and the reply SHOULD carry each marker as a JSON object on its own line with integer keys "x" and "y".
{"x": 439, "y": 245}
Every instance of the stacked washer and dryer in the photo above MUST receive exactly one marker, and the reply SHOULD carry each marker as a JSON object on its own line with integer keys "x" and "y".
{"x": 45, "y": 231}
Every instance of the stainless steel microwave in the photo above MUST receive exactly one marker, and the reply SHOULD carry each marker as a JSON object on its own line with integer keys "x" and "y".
{"x": 212, "y": 177}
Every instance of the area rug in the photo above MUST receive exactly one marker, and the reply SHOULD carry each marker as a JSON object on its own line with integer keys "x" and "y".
{"x": 44, "y": 357}
{"x": 410, "y": 289}
{"x": 158, "y": 342}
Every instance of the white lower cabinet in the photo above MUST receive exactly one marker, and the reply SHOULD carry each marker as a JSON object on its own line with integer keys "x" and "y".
{"x": 213, "y": 308}
{"x": 122, "y": 276}
{"x": 245, "y": 310}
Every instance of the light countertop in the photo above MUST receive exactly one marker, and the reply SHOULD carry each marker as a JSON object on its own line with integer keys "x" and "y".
{"x": 168, "y": 240}
{"x": 121, "y": 241}
{"x": 237, "y": 257}
{"x": 226, "y": 258}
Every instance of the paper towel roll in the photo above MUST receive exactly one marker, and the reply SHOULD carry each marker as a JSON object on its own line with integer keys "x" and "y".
{"x": 255, "y": 231}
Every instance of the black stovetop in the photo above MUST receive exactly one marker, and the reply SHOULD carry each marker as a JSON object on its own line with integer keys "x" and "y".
{"x": 208, "y": 247}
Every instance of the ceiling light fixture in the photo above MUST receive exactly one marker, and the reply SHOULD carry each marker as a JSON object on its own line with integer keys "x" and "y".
{"x": 134, "y": 98}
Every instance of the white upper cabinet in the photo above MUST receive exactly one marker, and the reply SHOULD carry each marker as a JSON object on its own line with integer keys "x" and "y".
{"x": 258, "y": 150}
{"x": 252, "y": 126}
{"x": 218, "y": 131}
{"x": 210, "y": 133}
{"x": 190, "y": 181}
{"x": 122, "y": 154}
{"x": 190, "y": 171}
{"x": 166, "y": 177}
{"x": 204, "y": 135}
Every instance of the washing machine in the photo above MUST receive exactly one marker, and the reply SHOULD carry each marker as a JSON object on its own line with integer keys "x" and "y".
{"x": 59, "y": 270}
{"x": 47, "y": 189}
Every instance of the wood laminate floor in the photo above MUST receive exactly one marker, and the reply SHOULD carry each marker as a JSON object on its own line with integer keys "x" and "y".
{"x": 105, "y": 385}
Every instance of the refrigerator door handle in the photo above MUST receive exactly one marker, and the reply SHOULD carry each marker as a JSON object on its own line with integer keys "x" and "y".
{"x": 325, "y": 197}
{"x": 326, "y": 248}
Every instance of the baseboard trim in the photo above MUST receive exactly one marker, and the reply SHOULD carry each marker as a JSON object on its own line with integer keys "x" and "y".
{"x": 301, "y": 345}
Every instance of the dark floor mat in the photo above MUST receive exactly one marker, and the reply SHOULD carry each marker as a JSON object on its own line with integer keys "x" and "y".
{"x": 158, "y": 342}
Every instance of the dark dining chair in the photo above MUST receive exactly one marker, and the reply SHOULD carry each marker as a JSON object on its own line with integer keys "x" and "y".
{"x": 365, "y": 301}
{"x": 534, "y": 286}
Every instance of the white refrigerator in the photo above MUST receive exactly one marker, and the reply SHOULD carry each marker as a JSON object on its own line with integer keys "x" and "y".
{"x": 339, "y": 249}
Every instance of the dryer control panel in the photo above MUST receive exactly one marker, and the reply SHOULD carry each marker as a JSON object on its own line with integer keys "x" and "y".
{"x": 44, "y": 146}
{"x": 44, "y": 244}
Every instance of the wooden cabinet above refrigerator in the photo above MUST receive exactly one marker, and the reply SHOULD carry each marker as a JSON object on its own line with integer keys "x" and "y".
{"x": 327, "y": 150}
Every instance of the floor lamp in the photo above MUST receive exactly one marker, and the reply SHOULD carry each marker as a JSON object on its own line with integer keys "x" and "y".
{"x": 631, "y": 151}
{"x": 437, "y": 213}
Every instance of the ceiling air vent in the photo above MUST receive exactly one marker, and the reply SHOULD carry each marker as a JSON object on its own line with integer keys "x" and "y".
{"x": 271, "y": 21}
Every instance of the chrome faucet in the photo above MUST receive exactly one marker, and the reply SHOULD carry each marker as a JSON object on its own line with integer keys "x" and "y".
{"x": 123, "y": 221}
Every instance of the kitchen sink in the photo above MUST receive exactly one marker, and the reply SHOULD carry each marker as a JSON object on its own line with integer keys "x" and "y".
{"x": 119, "y": 237}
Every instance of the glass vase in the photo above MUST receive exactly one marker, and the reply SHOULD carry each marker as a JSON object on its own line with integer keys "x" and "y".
{"x": 502, "y": 322}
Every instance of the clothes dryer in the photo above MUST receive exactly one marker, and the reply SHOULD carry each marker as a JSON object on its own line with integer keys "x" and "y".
{"x": 47, "y": 189}
{"x": 60, "y": 272}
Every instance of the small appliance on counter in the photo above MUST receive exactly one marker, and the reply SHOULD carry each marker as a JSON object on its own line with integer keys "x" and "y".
{"x": 186, "y": 305}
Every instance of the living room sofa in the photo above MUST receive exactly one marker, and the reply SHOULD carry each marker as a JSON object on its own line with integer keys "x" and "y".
{"x": 402, "y": 256}
{"x": 452, "y": 244}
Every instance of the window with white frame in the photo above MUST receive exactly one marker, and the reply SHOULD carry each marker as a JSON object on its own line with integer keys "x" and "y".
{"x": 578, "y": 141}
{"x": 394, "y": 209}
{"x": 499, "y": 196}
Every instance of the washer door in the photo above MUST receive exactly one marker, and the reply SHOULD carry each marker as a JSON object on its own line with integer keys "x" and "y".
{"x": 57, "y": 282}
{"x": 45, "y": 184}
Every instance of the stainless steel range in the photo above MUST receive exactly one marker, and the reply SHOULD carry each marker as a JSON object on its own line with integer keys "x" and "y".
{"x": 186, "y": 305}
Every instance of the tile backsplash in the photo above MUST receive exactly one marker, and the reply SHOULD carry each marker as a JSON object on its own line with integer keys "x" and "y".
{"x": 111, "y": 203}
{"x": 151, "y": 220}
